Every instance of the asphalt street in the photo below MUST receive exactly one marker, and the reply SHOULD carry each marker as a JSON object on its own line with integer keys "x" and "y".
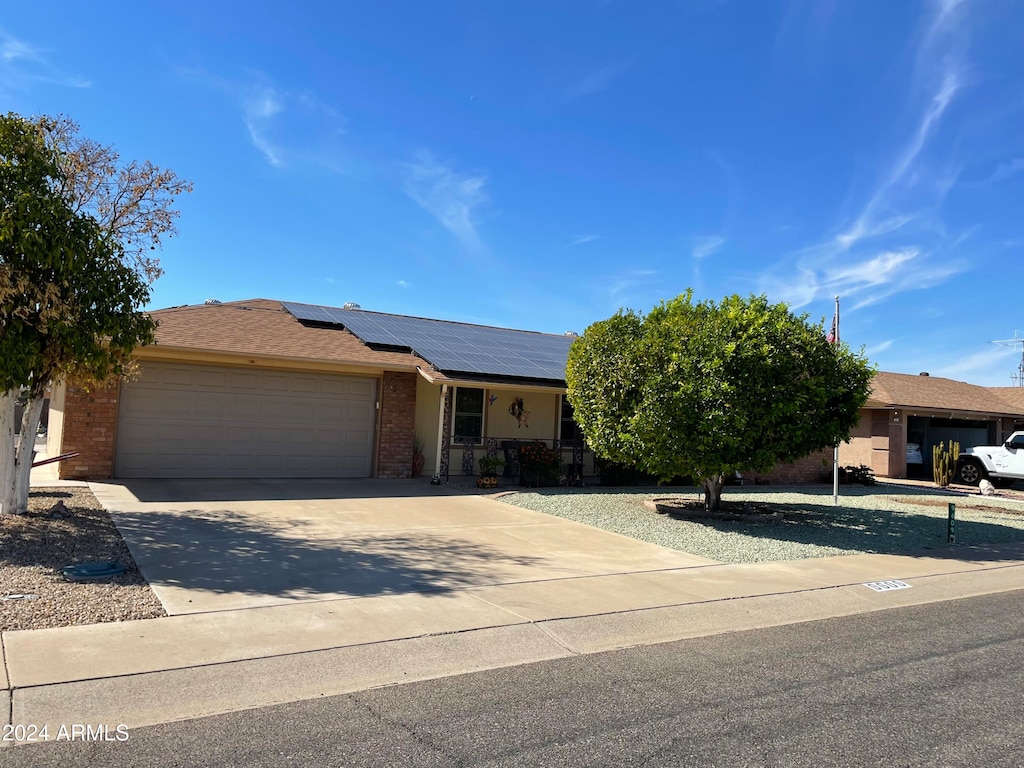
{"x": 932, "y": 685}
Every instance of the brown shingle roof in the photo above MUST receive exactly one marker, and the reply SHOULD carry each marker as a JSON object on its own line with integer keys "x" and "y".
{"x": 262, "y": 327}
{"x": 1012, "y": 395}
{"x": 935, "y": 393}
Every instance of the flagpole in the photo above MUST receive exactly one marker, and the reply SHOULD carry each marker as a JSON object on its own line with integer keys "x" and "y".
{"x": 835, "y": 450}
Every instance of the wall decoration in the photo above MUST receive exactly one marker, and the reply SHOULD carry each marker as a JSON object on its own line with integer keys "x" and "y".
{"x": 519, "y": 412}
{"x": 491, "y": 399}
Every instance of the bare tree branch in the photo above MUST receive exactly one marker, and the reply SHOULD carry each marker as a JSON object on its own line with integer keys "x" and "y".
{"x": 133, "y": 202}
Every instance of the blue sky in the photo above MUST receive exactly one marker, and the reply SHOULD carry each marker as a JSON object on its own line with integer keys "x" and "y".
{"x": 541, "y": 164}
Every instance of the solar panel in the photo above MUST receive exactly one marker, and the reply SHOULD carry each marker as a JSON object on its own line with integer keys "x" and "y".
{"x": 451, "y": 346}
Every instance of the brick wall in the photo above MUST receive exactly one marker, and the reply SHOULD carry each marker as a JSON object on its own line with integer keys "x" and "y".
{"x": 397, "y": 425}
{"x": 809, "y": 469}
{"x": 90, "y": 421}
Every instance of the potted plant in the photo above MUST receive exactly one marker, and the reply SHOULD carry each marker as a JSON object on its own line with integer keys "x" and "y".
{"x": 489, "y": 466}
{"x": 538, "y": 464}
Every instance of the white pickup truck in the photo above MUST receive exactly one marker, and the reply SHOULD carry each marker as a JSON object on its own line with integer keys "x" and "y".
{"x": 1002, "y": 464}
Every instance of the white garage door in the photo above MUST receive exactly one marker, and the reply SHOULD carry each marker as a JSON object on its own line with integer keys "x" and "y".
{"x": 210, "y": 421}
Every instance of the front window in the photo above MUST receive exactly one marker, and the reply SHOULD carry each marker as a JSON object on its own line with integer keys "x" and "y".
{"x": 567, "y": 431}
{"x": 469, "y": 415}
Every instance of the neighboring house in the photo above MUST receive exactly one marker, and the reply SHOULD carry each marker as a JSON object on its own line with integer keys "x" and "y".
{"x": 925, "y": 410}
{"x": 263, "y": 388}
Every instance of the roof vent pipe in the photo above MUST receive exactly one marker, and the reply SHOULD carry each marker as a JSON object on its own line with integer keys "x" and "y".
{"x": 351, "y": 305}
{"x": 924, "y": 373}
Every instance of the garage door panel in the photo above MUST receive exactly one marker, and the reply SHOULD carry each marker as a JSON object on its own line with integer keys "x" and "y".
{"x": 192, "y": 421}
{"x": 355, "y": 414}
{"x": 275, "y": 382}
{"x": 362, "y": 388}
{"x": 308, "y": 386}
{"x": 213, "y": 380}
{"x": 238, "y": 434}
{"x": 242, "y": 381}
{"x": 337, "y": 387}
{"x": 331, "y": 412}
{"x": 172, "y": 376}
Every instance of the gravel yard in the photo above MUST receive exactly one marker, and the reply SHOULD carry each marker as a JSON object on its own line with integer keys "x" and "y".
{"x": 35, "y": 546}
{"x": 880, "y": 519}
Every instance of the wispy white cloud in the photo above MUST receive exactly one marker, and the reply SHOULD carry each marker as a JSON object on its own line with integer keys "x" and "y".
{"x": 629, "y": 281}
{"x": 583, "y": 239}
{"x": 939, "y": 73}
{"x": 289, "y": 128}
{"x": 293, "y": 129}
{"x": 1005, "y": 170}
{"x": 865, "y": 281}
{"x": 24, "y": 65}
{"x": 402, "y": 283}
{"x": 878, "y": 347}
{"x": 992, "y": 363}
{"x": 869, "y": 225}
{"x": 946, "y": 15}
{"x": 11, "y": 48}
{"x": 705, "y": 246}
{"x": 891, "y": 244}
{"x": 951, "y": 82}
{"x": 451, "y": 197}
{"x": 258, "y": 112}
{"x": 964, "y": 236}
{"x": 865, "y": 228}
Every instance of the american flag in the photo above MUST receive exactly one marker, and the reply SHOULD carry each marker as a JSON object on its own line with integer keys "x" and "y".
{"x": 833, "y": 334}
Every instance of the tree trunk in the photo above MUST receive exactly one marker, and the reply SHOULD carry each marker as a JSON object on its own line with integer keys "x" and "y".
{"x": 26, "y": 447}
{"x": 712, "y": 492}
{"x": 8, "y": 400}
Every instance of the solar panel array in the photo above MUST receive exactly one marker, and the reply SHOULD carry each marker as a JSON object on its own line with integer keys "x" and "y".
{"x": 450, "y": 346}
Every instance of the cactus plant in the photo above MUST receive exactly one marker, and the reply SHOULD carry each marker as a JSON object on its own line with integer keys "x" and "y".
{"x": 944, "y": 462}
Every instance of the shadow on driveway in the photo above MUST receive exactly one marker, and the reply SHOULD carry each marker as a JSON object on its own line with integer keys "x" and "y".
{"x": 279, "y": 489}
{"x": 226, "y": 552}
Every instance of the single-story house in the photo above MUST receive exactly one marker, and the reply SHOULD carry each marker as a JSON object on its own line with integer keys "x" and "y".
{"x": 925, "y": 410}
{"x": 922, "y": 410}
{"x": 264, "y": 388}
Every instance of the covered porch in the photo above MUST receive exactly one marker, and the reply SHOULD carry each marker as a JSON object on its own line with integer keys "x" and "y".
{"x": 520, "y": 432}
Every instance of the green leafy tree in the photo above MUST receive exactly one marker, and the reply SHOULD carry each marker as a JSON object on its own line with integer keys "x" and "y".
{"x": 69, "y": 304}
{"x": 707, "y": 389}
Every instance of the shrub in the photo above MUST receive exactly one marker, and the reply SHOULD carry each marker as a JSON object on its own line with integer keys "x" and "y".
{"x": 861, "y": 474}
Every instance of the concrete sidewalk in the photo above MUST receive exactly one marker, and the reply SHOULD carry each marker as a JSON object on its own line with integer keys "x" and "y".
{"x": 147, "y": 672}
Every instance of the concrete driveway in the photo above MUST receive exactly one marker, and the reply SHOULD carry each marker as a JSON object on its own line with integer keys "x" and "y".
{"x": 213, "y": 545}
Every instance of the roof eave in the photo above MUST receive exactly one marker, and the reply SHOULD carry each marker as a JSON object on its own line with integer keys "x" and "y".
{"x": 165, "y": 352}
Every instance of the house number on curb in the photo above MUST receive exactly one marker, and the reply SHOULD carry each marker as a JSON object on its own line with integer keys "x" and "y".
{"x": 885, "y": 586}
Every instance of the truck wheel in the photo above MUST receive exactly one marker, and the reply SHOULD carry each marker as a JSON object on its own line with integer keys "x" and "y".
{"x": 970, "y": 472}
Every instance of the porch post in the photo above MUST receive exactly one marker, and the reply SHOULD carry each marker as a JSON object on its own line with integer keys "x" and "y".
{"x": 444, "y": 426}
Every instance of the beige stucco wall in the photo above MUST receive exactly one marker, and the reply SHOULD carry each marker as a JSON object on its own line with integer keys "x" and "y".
{"x": 879, "y": 441}
{"x": 428, "y": 404}
{"x": 541, "y": 422}
{"x": 55, "y": 428}
{"x": 859, "y": 450}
